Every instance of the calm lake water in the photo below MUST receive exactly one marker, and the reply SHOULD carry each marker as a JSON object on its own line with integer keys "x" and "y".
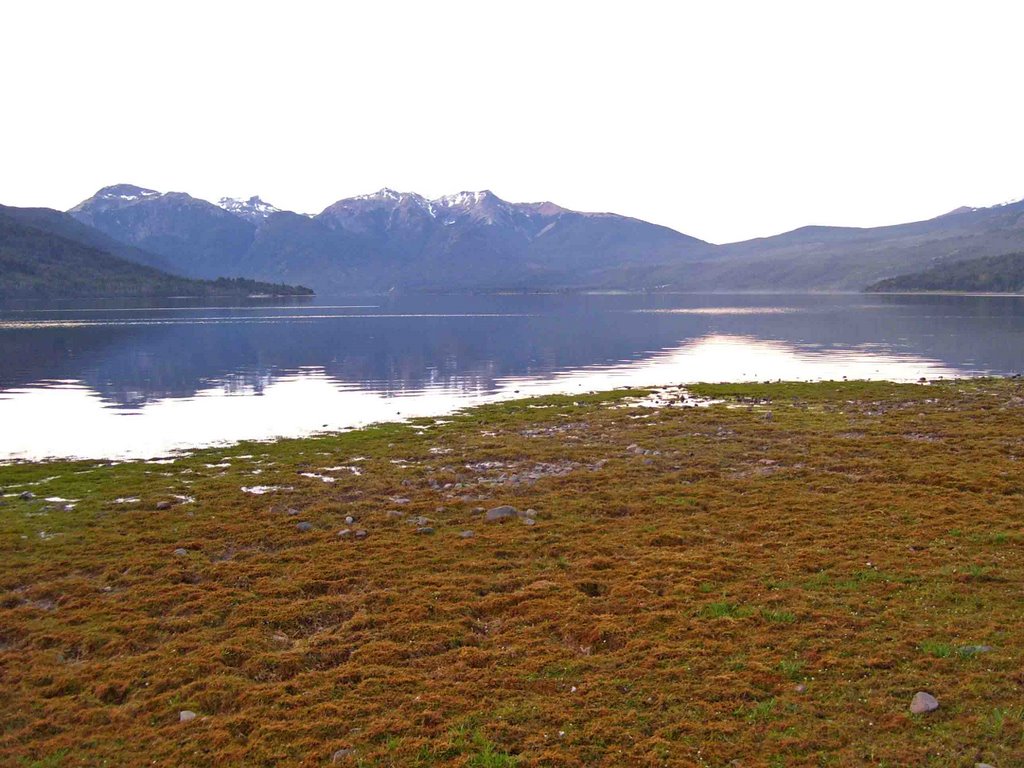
{"x": 140, "y": 380}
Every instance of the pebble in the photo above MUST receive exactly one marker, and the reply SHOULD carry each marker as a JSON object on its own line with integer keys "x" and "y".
{"x": 424, "y": 530}
{"x": 800, "y": 688}
{"x": 292, "y": 511}
{"x": 180, "y": 552}
{"x": 349, "y": 520}
{"x": 186, "y": 715}
{"x": 162, "y": 505}
{"x": 361, "y": 534}
{"x": 342, "y": 755}
{"x": 344, "y": 533}
{"x": 529, "y": 521}
{"x": 467, "y": 535}
{"x": 923, "y": 703}
{"x": 26, "y": 496}
{"x": 983, "y": 765}
{"x": 419, "y": 520}
{"x": 304, "y": 527}
{"x": 498, "y": 514}
{"x": 394, "y": 513}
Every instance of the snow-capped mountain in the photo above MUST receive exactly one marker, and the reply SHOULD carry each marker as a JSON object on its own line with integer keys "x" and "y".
{"x": 118, "y": 196}
{"x": 476, "y": 240}
{"x": 254, "y": 209}
{"x": 382, "y": 239}
{"x": 195, "y": 237}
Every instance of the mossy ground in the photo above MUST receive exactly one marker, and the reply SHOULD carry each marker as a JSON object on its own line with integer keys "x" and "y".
{"x": 763, "y": 582}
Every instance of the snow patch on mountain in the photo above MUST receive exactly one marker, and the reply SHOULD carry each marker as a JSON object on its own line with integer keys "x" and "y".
{"x": 254, "y": 209}
{"x": 126, "y": 192}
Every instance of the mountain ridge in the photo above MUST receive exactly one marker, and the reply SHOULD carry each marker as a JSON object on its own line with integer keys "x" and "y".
{"x": 475, "y": 240}
{"x": 382, "y": 239}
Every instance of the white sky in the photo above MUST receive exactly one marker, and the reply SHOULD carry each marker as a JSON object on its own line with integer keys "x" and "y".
{"x": 725, "y": 120}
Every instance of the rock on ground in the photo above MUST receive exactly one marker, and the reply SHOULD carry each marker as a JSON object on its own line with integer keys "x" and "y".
{"x": 186, "y": 715}
{"x": 923, "y": 703}
{"x": 498, "y": 514}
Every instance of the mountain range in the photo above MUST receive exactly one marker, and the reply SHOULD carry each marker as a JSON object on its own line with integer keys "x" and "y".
{"x": 477, "y": 241}
{"x": 470, "y": 240}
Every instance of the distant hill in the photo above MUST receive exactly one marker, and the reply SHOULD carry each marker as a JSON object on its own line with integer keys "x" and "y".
{"x": 40, "y": 260}
{"x": 845, "y": 258}
{"x": 477, "y": 241}
{"x": 989, "y": 274}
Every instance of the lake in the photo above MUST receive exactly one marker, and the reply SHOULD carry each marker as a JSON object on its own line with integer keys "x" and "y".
{"x": 119, "y": 380}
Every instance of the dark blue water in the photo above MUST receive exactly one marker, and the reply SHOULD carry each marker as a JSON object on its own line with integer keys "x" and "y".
{"x": 121, "y": 379}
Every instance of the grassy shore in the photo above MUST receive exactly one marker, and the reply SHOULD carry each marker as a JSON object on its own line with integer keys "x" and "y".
{"x": 766, "y": 581}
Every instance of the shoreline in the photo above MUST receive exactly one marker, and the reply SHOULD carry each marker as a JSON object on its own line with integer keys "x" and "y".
{"x": 509, "y": 399}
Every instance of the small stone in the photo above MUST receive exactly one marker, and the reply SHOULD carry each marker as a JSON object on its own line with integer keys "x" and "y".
{"x": 800, "y": 688}
{"x": 425, "y": 530}
{"x": 419, "y": 520}
{"x": 163, "y": 505}
{"x": 180, "y": 552}
{"x": 292, "y": 511}
{"x": 923, "y": 703}
{"x": 400, "y": 500}
{"x": 349, "y": 520}
{"x": 983, "y": 765}
{"x": 528, "y": 513}
{"x": 394, "y": 514}
{"x": 467, "y": 535}
{"x": 26, "y": 496}
{"x": 186, "y": 715}
{"x": 529, "y": 521}
{"x": 344, "y": 533}
{"x": 304, "y": 527}
{"x": 361, "y": 534}
{"x": 499, "y": 514}
{"x": 342, "y": 755}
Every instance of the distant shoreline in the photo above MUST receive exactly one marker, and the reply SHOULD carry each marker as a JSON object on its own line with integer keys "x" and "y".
{"x": 944, "y": 293}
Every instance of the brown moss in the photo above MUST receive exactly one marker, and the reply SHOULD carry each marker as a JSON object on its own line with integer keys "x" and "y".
{"x": 662, "y": 611}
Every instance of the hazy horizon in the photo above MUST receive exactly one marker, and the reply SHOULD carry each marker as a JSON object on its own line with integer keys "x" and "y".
{"x": 724, "y": 123}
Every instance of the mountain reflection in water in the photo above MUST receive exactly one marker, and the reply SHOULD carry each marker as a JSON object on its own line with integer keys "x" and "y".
{"x": 129, "y": 381}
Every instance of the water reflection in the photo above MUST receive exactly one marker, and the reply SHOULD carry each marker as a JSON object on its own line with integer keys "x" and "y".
{"x": 189, "y": 376}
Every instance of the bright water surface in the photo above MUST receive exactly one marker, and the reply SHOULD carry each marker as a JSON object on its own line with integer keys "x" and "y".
{"x": 142, "y": 379}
